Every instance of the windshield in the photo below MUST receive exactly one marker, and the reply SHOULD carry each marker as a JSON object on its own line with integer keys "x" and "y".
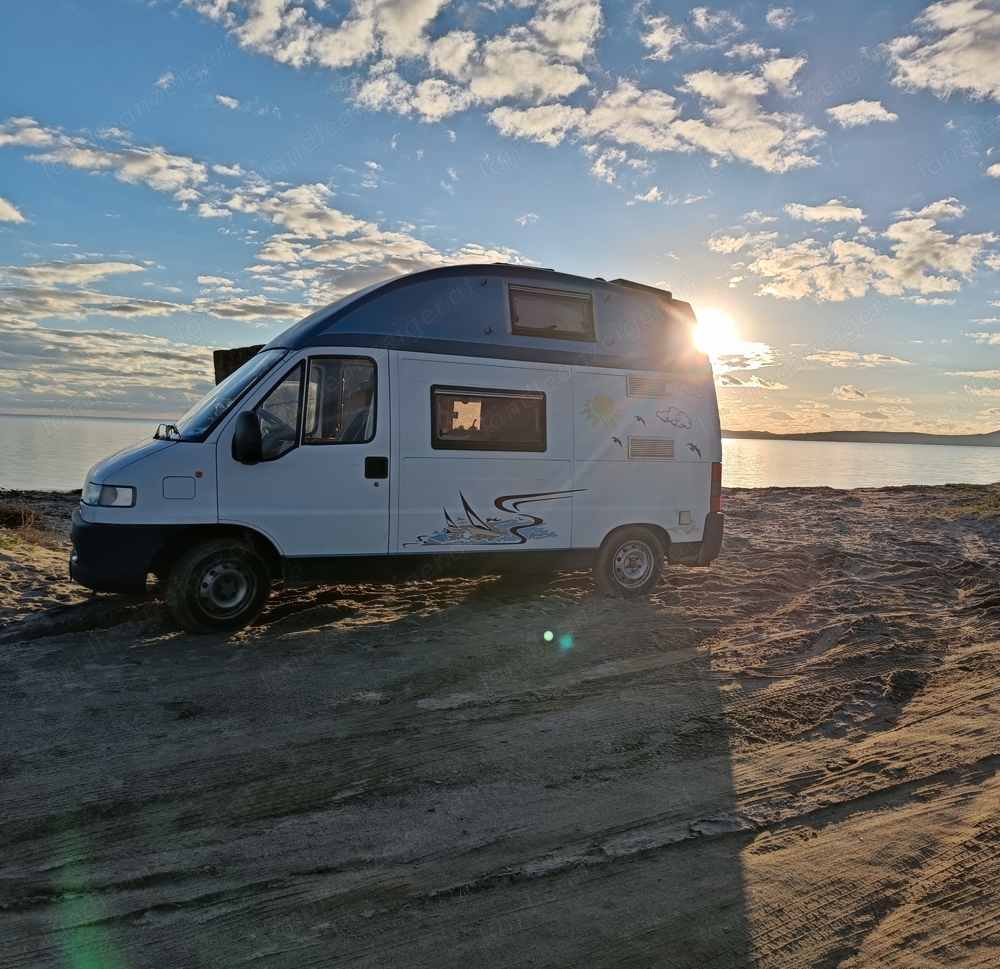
{"x": 198, "y": 421}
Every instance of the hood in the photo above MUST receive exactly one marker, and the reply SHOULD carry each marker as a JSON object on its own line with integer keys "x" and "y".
{"x": 104, "y": 471}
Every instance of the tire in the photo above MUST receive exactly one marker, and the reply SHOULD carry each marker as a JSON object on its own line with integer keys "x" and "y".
{"x": 629, "y": 562}
{"x": 218, "y": 586}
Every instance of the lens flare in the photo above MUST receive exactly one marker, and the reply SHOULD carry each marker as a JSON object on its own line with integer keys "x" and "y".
{"x": 566, "y": 642}
{"x": 548, "y": 635}
{"x": 715, "y": 333}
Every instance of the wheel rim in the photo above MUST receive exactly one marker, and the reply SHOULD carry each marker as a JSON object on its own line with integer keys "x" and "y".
{"x": 226, "y": 588}
{"x": 633, "y": 564}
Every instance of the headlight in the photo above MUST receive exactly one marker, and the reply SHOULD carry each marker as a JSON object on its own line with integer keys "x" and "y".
{"x": 108, "y": 496}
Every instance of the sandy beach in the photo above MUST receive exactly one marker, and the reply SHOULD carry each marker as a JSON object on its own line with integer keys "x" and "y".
{"x": 790, "y": 759}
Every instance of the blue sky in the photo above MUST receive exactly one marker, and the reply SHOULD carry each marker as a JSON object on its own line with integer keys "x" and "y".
{"x": 178, "y": 176}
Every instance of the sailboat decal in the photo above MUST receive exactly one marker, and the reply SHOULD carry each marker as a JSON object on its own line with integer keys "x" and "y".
{"x": 518, "y": 528}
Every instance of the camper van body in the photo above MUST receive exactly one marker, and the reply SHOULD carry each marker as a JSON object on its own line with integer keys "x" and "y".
{"x": 468, "y": 419}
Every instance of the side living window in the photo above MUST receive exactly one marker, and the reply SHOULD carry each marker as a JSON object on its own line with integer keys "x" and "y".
{"x": 547, "y": 312}
{"x": 340, "y": 401}
{"x": 279, "y": 414}
{"x": 464, "y": 419}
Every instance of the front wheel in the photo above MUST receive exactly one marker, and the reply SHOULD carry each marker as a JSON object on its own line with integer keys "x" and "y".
{"x": 630, "y": 562}
{"x": 218, "y": 586}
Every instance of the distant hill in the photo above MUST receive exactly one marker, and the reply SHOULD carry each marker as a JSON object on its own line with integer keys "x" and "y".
{"x": 992, "y": 439}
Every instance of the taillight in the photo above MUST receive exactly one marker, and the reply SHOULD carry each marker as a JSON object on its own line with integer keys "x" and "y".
{"x": 716, "y": 502}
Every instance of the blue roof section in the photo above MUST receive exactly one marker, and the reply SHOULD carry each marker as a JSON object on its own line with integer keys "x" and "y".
{"x": 463, "y": 310}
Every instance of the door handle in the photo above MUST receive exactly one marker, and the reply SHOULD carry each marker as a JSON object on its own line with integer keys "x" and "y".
{"x": 376, "y": 467}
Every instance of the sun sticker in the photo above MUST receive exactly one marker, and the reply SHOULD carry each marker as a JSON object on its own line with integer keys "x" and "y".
{"x": 601, "y": 410}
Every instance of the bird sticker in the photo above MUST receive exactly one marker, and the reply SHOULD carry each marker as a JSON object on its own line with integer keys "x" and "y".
{"x": 640, "y": 420}
{"x": 694, "y": 448}
{"x": 615, "y": 439}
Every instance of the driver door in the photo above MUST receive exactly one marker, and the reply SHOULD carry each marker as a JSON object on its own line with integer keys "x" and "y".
{"x": 322, "y": 486}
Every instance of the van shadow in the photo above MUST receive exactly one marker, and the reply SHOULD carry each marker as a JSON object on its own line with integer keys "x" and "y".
{"x": 445, "y": 787}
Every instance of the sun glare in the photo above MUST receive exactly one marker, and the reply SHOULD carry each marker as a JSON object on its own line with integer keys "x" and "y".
{"x": 715, "y": 333}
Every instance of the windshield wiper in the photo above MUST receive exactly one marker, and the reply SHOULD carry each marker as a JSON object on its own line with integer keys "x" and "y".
{"x": 167, "y": 429}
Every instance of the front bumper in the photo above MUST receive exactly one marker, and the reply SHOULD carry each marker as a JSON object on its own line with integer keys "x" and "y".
{"x": 115, "y": 558}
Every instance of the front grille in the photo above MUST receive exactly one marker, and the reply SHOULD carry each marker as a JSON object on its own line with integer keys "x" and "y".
{"x": 650, "y": 449}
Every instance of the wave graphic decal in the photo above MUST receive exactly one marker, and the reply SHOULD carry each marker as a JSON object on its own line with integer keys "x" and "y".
{"x": 472, "y": 529}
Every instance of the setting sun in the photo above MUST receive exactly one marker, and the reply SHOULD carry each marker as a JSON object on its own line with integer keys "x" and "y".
{"x": 715, "y": 333}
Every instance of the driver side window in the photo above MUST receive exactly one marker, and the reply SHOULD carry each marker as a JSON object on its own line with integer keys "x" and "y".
{"x": 279, "y": 414}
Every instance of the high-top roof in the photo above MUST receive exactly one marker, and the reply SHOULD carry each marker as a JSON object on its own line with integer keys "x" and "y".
{"x": 465, "y": 310}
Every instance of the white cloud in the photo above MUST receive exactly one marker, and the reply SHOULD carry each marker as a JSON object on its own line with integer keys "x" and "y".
{"x": 230, "y": 171}
{"x": 660, "y": 36}
{"x": 922, "y": 259}
{"x": 728, "y": 244}
{"x": 991, "y": 339}
{"x": 302, "y": 209}
{"x": 252, "y": 308}
{"x": 780, "y": 73}
{"x": 209, "y": 211}
{"x": 860, "y": 113}
{"x": 227, "y": 102}
{"x": 993, "y": 171}
{"x": 710, "y": 23}
{"x": 733, "y": 125}
{"x": 44, "y": 369}
{"x": 26, "y": 132}
{"x": 850, "y": 358}
{"x": 954, "y": 49}
{"x": 215, "y": 281}
{"x": 750, "y": 50}
{"x": 9, "y": 212}
{"x": 526, "y": 219}
{"x": 164, "y": 80}
{"x": 731, "y": 380}
{"x": 832, "y": 211}
{"x": 57, "y": 289}
{"x": 949, "y": 208}
{"x": 525, "y": 74}
{"x": 848, "y": 392}
{"x": 73, "y": 273}
{"x": 780, "y": 17}
{"x": 151, "y": 166}
{"x": 603, "y": 166}
{"x": 653, "y": 195}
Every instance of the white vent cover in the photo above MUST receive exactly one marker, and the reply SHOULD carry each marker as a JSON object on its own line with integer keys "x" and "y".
{"x": 650, "y": 449}
{"x": 648, "y": 387}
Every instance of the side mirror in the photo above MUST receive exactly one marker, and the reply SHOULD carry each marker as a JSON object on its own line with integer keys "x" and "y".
{"x": 247, "y": 444}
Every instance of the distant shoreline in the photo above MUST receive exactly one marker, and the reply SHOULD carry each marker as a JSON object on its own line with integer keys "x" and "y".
{"x": 85, "y": 417}
{"x": 991, "y": 439}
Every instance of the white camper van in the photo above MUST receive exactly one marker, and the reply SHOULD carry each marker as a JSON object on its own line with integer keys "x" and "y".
{"x": 467, "y": 419}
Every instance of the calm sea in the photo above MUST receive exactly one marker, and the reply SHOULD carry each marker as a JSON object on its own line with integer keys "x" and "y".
{"x": 56, "y": 453}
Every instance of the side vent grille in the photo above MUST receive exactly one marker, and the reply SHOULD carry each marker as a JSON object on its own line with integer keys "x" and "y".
{"x": 648, "y": 387}
{"x": 650, "y": 449}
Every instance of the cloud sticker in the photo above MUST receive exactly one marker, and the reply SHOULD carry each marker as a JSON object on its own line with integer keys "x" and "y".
{"x": 692, "y": 390}
{"x": 674, "y": 416}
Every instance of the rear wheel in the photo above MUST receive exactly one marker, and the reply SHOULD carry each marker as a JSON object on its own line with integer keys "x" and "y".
{"x": 630, "y": 562}
{"x": 218, "y": 586}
